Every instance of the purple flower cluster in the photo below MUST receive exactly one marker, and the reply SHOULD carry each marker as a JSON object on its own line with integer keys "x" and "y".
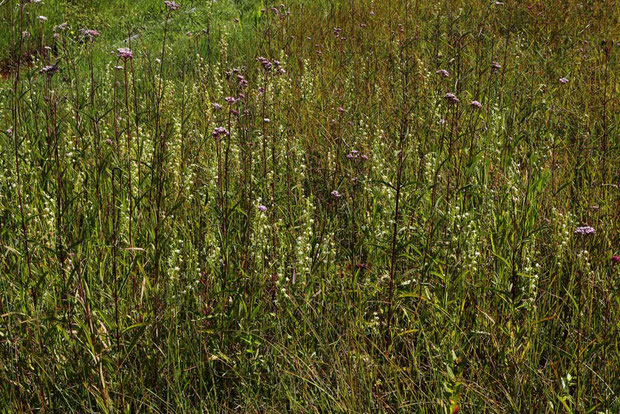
{"x": 495, "y": 67}
{"x": 216, "y": 106}
{"x": 336, "y": 194}
{"x": 615, "y": 259}
{"x": 262, "y": 208}
{"x": 89, "y": 33}
{"x": 275, "y": 9}
{"x": 355, "y": 155}
{"x": 242, "y": 81}
{"x": 230, "y": 99}
{"x": 172, "y": 6}
{"x": 475, "y": 104}
{"x": 563, "y": 81}
{"x": 585, "y": 230}
{"x": 220, "y": 132}
{"x": 451, "y": 98}
{"x": 49, "y": 70}
{"x": 268, "y": 66}
{"x": 124, "y": 53}
{"x": 443, "y": 73}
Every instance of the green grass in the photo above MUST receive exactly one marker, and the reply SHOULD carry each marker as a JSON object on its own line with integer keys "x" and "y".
{"x": 354, "y": 241}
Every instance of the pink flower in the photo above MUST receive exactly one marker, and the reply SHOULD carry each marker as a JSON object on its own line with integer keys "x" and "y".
{"x": 172, "y": 6}
{"x": 89, "y": 34}
{"x": 615, "y": 259}
{"x": 451, "y": 98}
{"x": 262, "y": 208}
{"x": 124, "y": 53}
{"x": 355, "y": 154}
{"x": 220, "y": 132}
{"x": 585, "y": 230}
{"x": 563, "y": 81}
{"x": 443, "y": 73}
{"x": 267, "y": 65}
{"x": 475, "y": 104}
{"x": 495, "y": 67}
{"x": 336, "y": 194}
{"x": 49, "y": 70}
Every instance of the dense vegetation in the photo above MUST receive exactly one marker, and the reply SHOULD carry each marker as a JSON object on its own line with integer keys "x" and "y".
{"x": 319, "y": 206}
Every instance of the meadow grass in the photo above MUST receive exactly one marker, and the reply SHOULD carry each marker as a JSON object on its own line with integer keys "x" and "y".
{"x": 316, "y": 206}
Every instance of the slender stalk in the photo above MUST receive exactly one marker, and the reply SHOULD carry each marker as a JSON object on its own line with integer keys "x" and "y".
{"x": 404, "y": 127}
{"x": 129, "y": 166}
{"x": 158, "y": 149}
{"x": 116, "y": 281}
{"x": 15, "y": 132}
